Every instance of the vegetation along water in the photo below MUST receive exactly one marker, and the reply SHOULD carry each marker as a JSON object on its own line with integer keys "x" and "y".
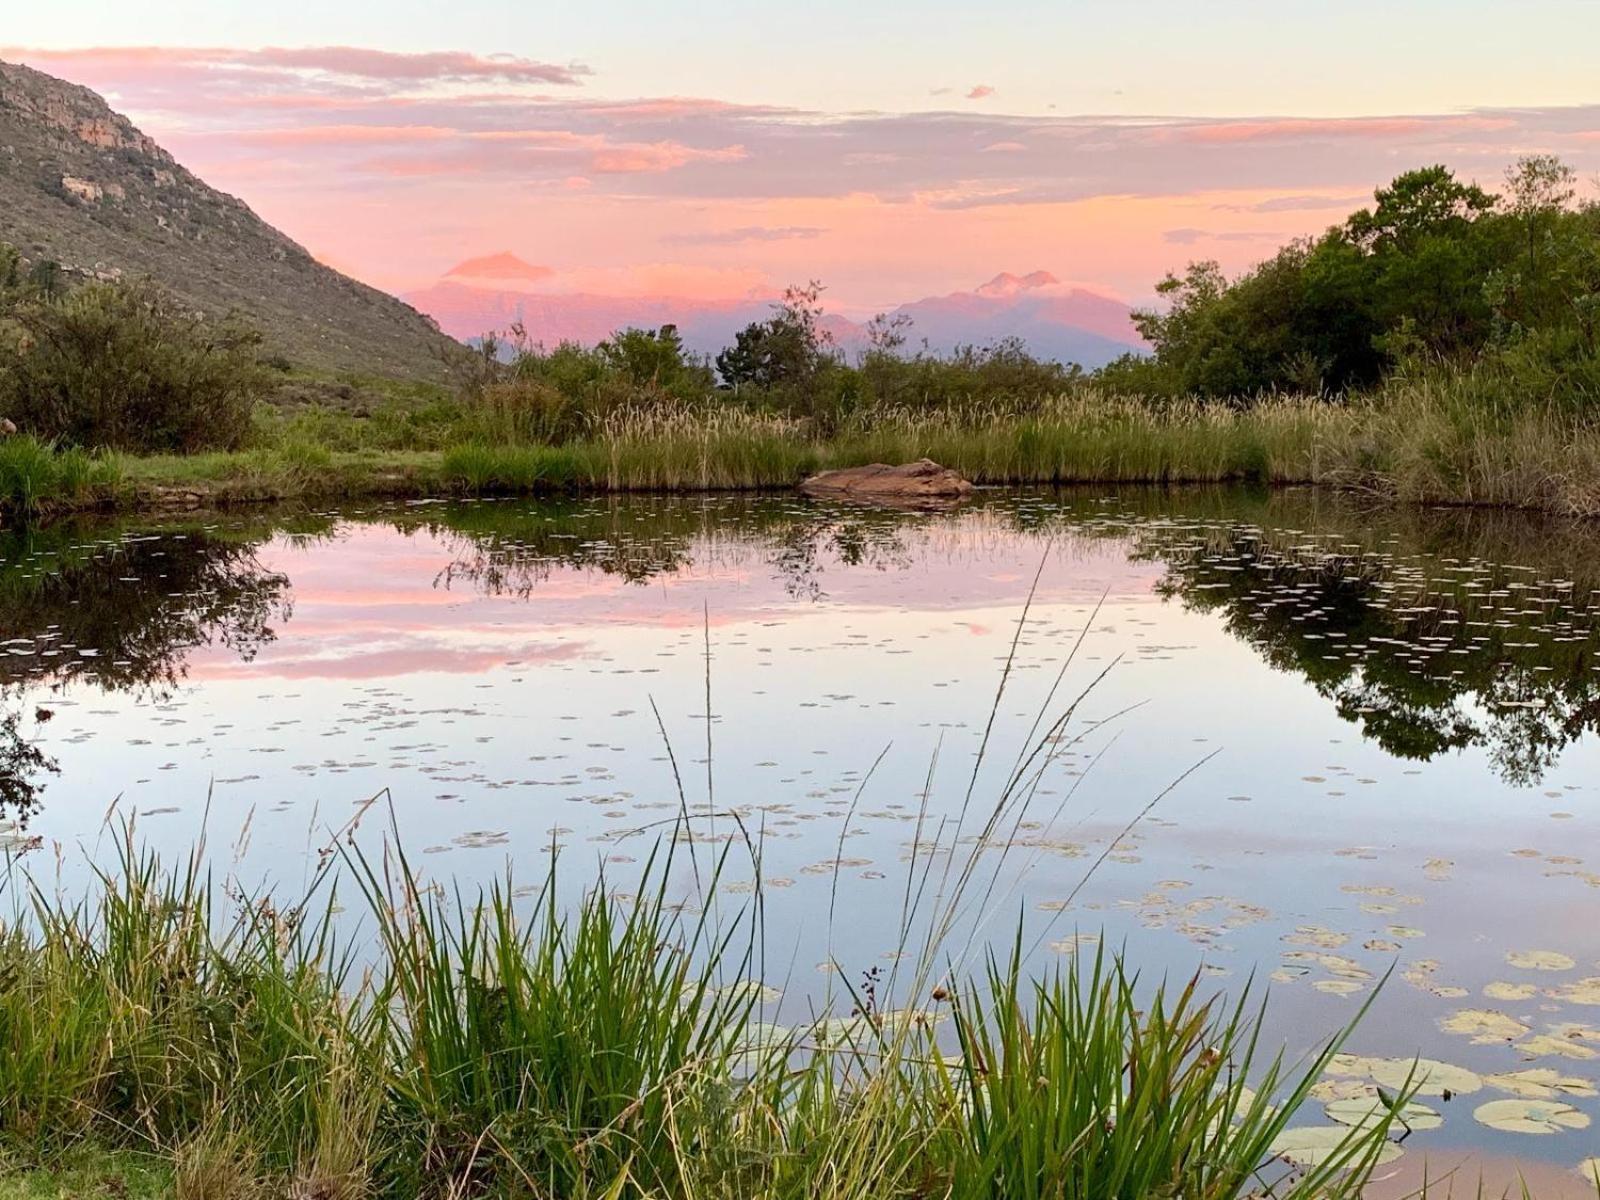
{"x": 1438, "y": 346}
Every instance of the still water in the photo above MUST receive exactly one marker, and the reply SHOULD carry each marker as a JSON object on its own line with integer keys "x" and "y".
{"x": 1309, "y": 743}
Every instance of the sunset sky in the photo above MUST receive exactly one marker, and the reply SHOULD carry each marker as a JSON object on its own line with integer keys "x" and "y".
{"x": 893, "y": 149}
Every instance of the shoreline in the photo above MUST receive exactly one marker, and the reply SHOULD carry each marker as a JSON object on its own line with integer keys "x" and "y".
{"x": 425, "y": 475}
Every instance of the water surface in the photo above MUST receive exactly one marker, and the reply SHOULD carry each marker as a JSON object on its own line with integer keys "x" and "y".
{"x": 1369, "y": 736}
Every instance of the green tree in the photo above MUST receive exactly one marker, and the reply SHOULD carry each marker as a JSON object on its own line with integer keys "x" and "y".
{"x": 789, "y": 349}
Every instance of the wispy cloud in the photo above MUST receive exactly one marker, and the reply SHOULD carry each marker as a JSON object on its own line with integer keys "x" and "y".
{"x": 275, "y": 64}
{"x": 747, "y": 233}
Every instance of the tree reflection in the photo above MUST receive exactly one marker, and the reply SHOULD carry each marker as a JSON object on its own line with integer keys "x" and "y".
{"x": 511, "y": 550}
{"x": 1423, "y": 661}
{"x": 119, "y": 612}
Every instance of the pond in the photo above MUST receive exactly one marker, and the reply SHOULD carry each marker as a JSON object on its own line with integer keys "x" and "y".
{"x": 1310, "y": 743}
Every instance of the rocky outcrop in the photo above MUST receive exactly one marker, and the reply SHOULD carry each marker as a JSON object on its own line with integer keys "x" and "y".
{"x": 81, "y": 185}
{"x": 919, "y": 483}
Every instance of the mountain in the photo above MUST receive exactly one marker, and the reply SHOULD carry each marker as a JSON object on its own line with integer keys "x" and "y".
{"x": 1057, "y": 321}
{"x": 1068, "y": 324}
{"x": 79, "y": 184}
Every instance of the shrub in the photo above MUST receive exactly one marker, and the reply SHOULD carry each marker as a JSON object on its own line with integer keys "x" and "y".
{"x": 127, "y": 366}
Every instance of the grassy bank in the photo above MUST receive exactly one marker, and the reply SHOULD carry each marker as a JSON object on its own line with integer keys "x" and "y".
{"x": 606, "y": 1048}
{"x": 1430, "y": 441}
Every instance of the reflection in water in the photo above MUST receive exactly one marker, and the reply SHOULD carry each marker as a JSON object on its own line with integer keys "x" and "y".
{"x": 123, "y": 612}
{"x": 1425, "y": 654}
{"x": 508, "y": 551}
{"x": 1430, "y": 632}
{"x": 117, "y": 611}
{"x": 22, "y": 768}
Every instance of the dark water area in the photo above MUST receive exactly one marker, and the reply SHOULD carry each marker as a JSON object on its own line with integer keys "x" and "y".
{"x": 1369, "y": 736}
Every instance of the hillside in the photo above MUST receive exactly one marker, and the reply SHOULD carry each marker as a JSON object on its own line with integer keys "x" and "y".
{"x": 1056, "y": 320}
{"x": 81, "y": 185}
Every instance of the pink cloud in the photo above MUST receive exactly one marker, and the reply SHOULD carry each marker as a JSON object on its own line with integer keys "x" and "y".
{"x": 523, "y": 152}
{"x": 348, "y": 61}
{"x": 342, "y": 135}
{"x": 1378, "y": 128}
{"x": 658, "y": 156}
{"x": 982, "y": 92}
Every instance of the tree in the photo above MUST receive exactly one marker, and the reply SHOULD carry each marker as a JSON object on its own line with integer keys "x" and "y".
{"x": 645, "y": 356}
{"x": 1420, "y": 204}
{"x": 787, "y": 349}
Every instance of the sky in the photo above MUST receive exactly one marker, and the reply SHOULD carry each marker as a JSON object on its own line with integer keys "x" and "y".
{"x": 891, "y": 149}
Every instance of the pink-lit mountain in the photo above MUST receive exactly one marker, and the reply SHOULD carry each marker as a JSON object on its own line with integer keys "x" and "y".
{"x": 1056, "y": 320}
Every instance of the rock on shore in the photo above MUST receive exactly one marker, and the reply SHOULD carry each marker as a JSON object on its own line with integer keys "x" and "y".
{"x": 923, "y": 481}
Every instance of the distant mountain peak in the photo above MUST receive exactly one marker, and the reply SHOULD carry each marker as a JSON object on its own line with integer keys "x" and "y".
{"x": 504, "y": 265}
{"x": 1007, "y": 284}
{"x": 1070, "y": 324}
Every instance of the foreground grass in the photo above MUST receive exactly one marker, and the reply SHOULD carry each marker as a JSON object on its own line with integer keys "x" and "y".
{"x": 87, "y": 1173}
{"x": 1427, "y": 440}
{"x": 160, "y": 1031}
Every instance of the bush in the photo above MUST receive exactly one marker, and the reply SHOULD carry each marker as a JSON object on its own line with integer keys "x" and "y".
{"x": 126, "y": 366}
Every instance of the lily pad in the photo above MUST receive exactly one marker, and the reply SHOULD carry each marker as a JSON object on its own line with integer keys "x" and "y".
{"x": 1337, "y": 987}
{"x": 1581, "y": 991}
{"x": 1501, "y": 990}
{"x": 1530, "y": 1116}
{"x": 1312, "y": 1145}
{"x": 1540, "y": 1083}
{"x": 1589, "y": 1168}
{"x": 1540, "y": 960}
{"x": 1368, "y": 1111}
{"x": 1544, "y": 1045}
{"x": 1427, "y": 1076}
{"x": 1328, "y": 1090}
{"x": 759, "y": 1044}
{"x": 1483, "y": 1025}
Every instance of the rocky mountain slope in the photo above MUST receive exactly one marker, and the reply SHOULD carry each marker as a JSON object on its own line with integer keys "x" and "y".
{"x": 80, "y": 185}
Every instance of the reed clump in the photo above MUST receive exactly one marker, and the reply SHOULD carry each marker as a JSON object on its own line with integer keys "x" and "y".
{"x": 598, "y": 1046}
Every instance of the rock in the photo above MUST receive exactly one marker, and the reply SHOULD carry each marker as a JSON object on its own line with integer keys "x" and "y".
{"x": 921, "y": 482}
{"x": 8, "y": 428}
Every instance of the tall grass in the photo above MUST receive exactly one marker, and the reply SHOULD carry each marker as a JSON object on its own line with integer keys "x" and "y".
{"x": 35, "y": 476}
{"x": 601, "y": 1049}
{"x": 1440, "y": 437}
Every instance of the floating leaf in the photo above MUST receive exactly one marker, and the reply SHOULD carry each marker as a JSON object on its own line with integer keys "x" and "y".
{"x": 1312, "y": 1145}
{"x": 1545, "y": 1044}
{"x": 1540, "y": 960}
{"x": 1582, "y": 991}
{"x": 1329, "y": 1090}
{"x": 1368, "y": 1111}
{"x": 1427, "y": 1076}
{"x": 1540, "y": 1083}
{"x": 1337, "y": 987}
{"x": 1501, "y": 990}
{"x": 1529, "y": 1116}
{"x": 1483, "y": 1025}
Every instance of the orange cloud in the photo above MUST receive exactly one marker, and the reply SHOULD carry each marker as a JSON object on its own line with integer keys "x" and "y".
{"x": 658, "y": 156}
{"x": 1344, "y": 127}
